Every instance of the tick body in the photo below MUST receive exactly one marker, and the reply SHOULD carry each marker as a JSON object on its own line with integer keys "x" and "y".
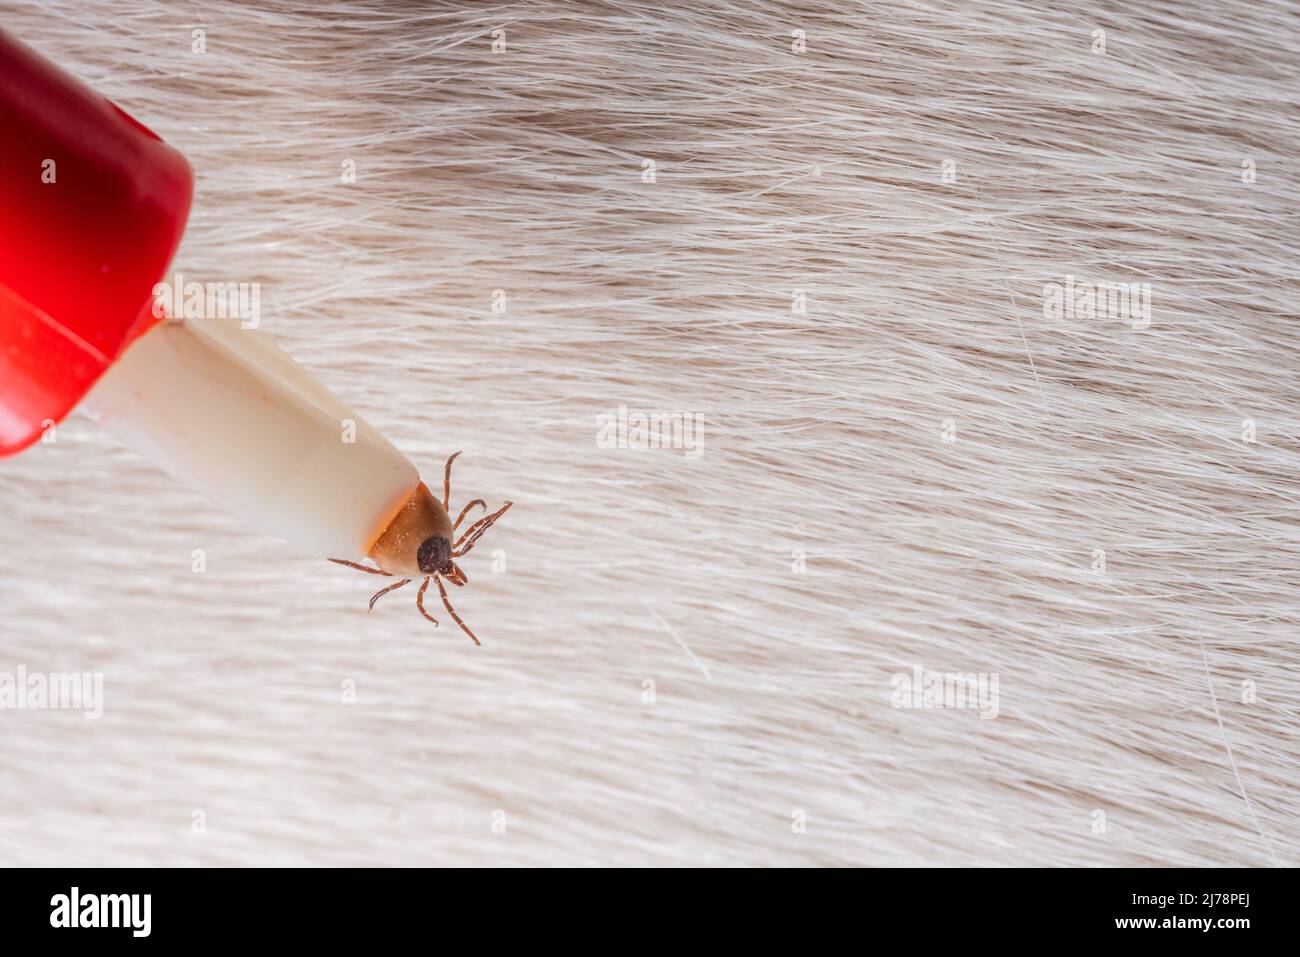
{"x": 421, "y": 542}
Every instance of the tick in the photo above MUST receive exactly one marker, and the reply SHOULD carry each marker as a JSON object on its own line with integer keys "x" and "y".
{"x": 418, "y": 544}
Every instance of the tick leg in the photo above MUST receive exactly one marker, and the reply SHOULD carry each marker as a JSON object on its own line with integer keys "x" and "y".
{"x": 477, "y": 501}
{"x": 482, "y": 522}
{"x": 419, "y": 603}
{"x": 384, "y": 591}
{"x": 452, "y": 611}
{"x": 361, "y": 568}
{"x": 446, "y": 482}
{"x": 474, "y": 531}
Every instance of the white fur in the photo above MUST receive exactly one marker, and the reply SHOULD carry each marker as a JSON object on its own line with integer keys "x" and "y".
{"x": 1121, "y": 691}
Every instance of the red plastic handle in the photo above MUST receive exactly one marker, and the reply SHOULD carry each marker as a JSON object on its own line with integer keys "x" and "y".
{"x": 92, "y": 207}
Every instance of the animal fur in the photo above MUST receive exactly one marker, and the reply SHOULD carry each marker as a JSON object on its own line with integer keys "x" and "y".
{"x": 919, "y": 470}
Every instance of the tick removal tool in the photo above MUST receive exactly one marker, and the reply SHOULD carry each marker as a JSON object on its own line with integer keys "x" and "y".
{"x": 92, "y": 208}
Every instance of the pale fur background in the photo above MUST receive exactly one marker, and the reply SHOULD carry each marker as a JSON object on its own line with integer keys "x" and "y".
{"x": 1122, "y": 691}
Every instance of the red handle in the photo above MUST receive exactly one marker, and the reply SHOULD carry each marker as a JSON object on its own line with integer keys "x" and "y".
{"x": 92, "y": 207}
